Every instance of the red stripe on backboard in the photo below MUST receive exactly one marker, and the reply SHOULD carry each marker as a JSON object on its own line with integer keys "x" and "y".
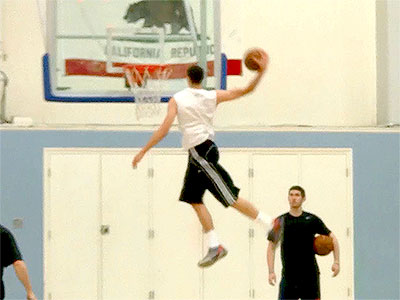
{"x": 87, "y": 67}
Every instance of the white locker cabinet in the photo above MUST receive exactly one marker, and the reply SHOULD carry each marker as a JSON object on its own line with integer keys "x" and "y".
{"x": 116, "y": 233}
{"x": 72, "y": 231}
{"x": 325, "y": 179}
{"x": 125, "y": 249}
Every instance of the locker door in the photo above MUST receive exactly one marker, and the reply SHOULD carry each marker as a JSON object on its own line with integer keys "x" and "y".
{"x": 73, "y": 217}
{"x": 176, "y": 243}
{"x": 274, "y": 174}
{"x": 229, "y": 278}
{"x": 125, "y": 210}
{"x": 325, "y": 180}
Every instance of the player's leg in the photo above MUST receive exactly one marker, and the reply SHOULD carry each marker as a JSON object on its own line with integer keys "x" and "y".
{"x": 310, "y": 289}
{"x": 215, "y": 250}
{"x": 195, "y": 184}
{"x": 288, "y": 291}
{"x": 204, "y": 216}
{"x": 249, "y": 210}
{"x": 246, "y": 208}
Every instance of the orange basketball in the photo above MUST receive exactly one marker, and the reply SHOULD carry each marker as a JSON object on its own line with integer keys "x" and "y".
{"x": 249, "y": 58}
{"x": 323, "y": 244}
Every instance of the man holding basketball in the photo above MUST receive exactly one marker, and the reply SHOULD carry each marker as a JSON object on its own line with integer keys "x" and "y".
{"x": 195, "y": 109}
{"x": 296, "y": 230}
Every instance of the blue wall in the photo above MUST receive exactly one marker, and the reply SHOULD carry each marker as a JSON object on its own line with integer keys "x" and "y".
{"x": 376, "y": 168}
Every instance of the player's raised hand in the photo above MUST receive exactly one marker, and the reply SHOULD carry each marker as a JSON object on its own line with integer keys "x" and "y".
{"x": 262, "y": 60}
{"x": 138, "y": 157}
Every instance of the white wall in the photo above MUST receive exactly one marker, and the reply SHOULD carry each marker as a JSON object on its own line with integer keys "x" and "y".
{"x": 322, "y": 68}
{"x": 322, "y": 71}
{"x": 23, "y": 46}
{"x": 388, "y": 61}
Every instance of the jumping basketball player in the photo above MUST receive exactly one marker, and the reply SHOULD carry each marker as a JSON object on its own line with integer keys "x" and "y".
{"x": 195, "y": 108}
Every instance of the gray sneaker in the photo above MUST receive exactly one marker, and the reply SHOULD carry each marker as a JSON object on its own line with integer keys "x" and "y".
{"x": 212, "y": 256}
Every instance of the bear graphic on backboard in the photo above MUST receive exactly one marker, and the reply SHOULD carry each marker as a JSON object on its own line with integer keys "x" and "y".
{"x": 158, "y": 13}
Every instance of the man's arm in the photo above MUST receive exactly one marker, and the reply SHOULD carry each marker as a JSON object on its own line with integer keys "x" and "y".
{"x": 271, "y": 262}
{"x": 232, "y": 94}
{"x": 14, "y": 257}
{"x": 160, "y": 133}
{"x": 22, "y": 273}
{"x": 336, "y": 255}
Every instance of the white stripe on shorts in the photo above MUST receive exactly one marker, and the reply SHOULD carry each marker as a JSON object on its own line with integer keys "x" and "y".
{"x": 214, "y": 176}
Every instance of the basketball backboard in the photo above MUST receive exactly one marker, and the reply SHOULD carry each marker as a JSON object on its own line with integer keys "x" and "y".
{"x": 91, "y": 43}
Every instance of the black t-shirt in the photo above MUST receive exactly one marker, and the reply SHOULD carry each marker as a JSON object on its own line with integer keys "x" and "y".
{"x": 9, "y": 254}
{"x": 296, "y": 235}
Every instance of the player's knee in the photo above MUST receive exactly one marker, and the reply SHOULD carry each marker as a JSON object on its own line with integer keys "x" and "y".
{"x": 197, "y": 206}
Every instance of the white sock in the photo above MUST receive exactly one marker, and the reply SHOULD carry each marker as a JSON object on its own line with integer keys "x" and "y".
{"x": 264, "y": 219}
{"x": 212, "y": 239}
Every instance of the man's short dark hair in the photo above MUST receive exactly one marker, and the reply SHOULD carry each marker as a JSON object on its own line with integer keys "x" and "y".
{"x": 195, "y": 74}
{"x": 298, "y": 188}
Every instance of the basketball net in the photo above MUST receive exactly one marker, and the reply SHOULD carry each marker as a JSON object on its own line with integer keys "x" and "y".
{"x": 147, "y": 83}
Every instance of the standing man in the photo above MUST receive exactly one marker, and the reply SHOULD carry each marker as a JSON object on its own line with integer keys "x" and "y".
{"x": 11, "y": 255}
{"x": 296, "y": 230}
{"x": 195, "y": 109}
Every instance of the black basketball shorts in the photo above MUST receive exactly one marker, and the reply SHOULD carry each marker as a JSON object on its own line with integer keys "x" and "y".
{"x": 305, "y": 290}
{"x": 204, "y": 173}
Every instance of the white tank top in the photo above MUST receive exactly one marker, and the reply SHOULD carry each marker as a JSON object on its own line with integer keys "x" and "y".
{"x": 196, "y": 109}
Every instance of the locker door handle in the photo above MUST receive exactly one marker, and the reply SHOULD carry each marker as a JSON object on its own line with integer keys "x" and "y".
{"x": 105, "y": 229}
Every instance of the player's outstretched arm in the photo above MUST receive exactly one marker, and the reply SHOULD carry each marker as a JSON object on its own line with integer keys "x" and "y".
{"x": 232, "y": 94}
{"x": 160, "y": 133}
